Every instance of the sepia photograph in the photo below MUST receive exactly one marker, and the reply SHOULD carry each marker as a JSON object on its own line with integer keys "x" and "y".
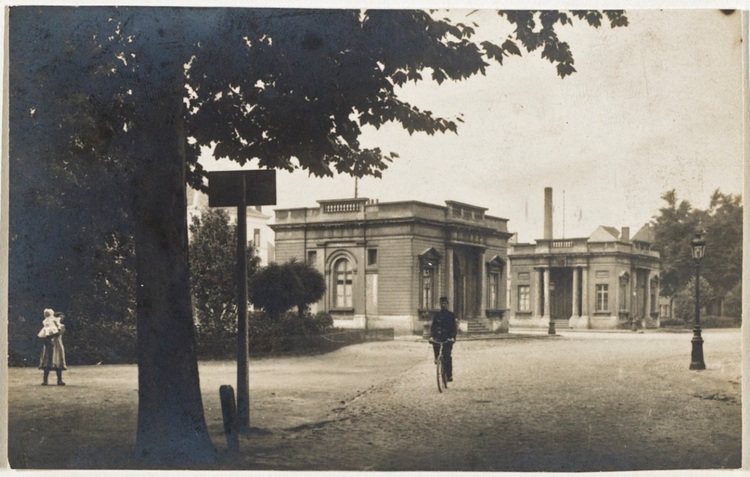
{"x": 387, "y": 239}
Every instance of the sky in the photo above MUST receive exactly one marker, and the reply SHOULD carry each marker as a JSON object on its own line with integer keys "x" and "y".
{"x": 652, "y": 107}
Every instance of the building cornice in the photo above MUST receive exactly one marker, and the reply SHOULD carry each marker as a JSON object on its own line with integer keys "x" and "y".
{"x": 382, "y": 222}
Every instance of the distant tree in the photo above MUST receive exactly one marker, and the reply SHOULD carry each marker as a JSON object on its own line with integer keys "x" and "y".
{"x": 288, "y": 88}
{"x": 674, "y": 229}
{"x": 722, "y": 264}
{"x": 684, "y": 301}
{"x": 313, "y": 285}
{"x": 213, "y": 270}
{"x": 733, "y": 303}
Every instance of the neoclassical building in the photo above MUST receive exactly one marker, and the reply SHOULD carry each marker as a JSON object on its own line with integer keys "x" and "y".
{"x": 596, "y": 282}
{"x": 386, "y": 264}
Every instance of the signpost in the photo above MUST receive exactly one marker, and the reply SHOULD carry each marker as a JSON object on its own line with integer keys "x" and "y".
{"x": 242, "y": 188}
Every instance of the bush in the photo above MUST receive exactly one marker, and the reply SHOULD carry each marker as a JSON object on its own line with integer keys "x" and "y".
{"x": 267, "y": 336}
{"x": 708, "y": 321}
{"x": 110, "y": 342}
{"x": 673, "y": 323}
{"x": 733, "y": 303}
{"x": 712, "y": 321}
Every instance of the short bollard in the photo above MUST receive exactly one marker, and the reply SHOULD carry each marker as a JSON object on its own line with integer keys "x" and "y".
{"x": 229, "y": 414}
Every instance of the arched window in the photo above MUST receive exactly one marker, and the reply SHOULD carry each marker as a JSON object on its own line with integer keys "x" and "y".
{"x": 342, "y": 280}
{"x": 495, "y": 268}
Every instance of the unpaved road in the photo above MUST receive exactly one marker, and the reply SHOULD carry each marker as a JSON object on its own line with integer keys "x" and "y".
{"x": 581, "y": 401}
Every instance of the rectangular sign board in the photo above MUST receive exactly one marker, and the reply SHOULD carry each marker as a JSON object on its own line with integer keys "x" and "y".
{"x": 224, "y": 188}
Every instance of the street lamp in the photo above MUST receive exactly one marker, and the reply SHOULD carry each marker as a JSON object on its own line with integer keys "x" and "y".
{"x": 698, "y": 245}
{"x": 551, "y": 327}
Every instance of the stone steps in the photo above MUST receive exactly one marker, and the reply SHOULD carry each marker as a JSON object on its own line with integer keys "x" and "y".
{"x": 476, "y": 327}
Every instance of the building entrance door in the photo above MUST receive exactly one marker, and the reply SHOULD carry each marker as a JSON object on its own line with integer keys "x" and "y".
{"x": 467, "y": 282}
{"x": 561, "y": 297}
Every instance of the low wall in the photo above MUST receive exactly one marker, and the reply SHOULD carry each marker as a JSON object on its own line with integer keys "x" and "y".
{"x": 324, "y": 343}
{"x": 360, "y": 336}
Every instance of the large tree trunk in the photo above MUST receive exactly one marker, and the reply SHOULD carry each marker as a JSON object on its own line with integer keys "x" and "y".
{"x": 171, "y": 424}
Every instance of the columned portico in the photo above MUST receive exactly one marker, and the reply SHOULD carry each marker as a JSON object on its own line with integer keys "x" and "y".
{"x": 593, "y": 282}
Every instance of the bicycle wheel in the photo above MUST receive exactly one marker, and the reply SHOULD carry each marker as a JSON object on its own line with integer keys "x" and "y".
{"x": 440, "y": 372}
{"x": 444, "y": 376}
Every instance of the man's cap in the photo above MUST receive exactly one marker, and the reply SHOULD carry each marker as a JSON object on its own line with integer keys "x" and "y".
{"x": 443, "y": 298}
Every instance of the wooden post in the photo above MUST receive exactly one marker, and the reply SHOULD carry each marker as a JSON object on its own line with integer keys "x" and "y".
{"x": 243, "y": 379}
{"x": 241, "y": 189}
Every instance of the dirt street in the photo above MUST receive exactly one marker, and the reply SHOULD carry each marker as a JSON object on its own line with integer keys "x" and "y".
{"x": 580, "y": 401}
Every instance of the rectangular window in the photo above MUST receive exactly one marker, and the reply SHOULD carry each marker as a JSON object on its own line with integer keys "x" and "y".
{"x": 256, "y": 238}
{"x": 372, "y": 256}
{"x": 344, "y": 290}
{"x": 602, "y": 297}
{"x": 524, "y": 301}
{"x": 312, "y": 257}
{"x": 343, "y": 278}
{"x": 493, "y": 291}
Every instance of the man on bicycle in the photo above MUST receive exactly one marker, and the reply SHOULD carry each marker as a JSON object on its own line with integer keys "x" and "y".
{"x": 444, "y": 329}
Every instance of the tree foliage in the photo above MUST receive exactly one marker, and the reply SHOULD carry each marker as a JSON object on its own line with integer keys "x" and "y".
{"x": 674, "y": 228}
{"x": 684, "y": 300}
{"x": 113, "y": 105}
{"x": 213, "y": 271}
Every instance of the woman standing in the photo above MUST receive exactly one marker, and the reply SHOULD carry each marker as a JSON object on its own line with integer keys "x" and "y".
{"x": 53, "y": 351}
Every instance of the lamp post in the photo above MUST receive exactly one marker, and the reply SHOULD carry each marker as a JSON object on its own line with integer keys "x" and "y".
{"x": 698, "y": 245}
{"x": 551, "y": 327}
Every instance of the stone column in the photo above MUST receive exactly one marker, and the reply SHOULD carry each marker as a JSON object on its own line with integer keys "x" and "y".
{"x": 537, "y": 292}
{"x": 634, "y": 293}
{"x": 585, "y": 319}
{"x": 482, "y": 285}
{"x": 574, "y": 313}
{"x": 449, "y": 293}
{"x": 647, "y": 298}
{"x": 546, "y": 294}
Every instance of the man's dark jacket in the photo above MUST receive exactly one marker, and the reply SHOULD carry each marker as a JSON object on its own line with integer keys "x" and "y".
{"x": 443, "y": 326}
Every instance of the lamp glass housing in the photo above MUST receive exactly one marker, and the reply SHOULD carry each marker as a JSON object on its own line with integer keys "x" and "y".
{"x": 698, "y": 245}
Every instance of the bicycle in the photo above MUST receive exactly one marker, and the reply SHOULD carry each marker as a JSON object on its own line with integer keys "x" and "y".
{"x": 442, "y": 377}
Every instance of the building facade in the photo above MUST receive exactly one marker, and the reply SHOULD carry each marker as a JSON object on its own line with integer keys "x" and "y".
{"x": 387, "y": 264}
{"x": 604, "y": 281}
{"x": 258, "y": 231}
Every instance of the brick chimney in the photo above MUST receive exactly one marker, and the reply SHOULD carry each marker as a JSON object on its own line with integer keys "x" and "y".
{"x": 548, "y": 213}
{"x": 625, "y": 234}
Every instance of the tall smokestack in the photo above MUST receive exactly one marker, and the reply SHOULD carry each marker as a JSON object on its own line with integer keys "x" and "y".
{"x": 548, "y": 213}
